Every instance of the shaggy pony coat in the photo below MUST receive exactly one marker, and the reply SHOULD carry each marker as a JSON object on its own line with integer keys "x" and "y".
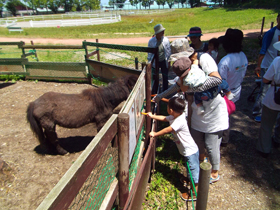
{"x": 75, "y": 110}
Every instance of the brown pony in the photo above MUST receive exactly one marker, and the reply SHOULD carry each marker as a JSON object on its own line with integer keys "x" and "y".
{"x": 75, "y": 110}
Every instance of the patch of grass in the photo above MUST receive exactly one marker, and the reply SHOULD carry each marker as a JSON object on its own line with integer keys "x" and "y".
{"x": 12, "y": 78}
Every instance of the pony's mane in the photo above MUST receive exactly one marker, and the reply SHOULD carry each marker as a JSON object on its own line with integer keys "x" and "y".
{"x": 110, "y": 96}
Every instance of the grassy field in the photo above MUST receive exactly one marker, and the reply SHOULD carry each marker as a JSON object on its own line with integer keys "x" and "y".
{"x": 176, "y": 22}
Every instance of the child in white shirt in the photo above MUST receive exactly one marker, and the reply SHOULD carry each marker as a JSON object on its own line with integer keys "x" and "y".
{"x": 182, "y": 137}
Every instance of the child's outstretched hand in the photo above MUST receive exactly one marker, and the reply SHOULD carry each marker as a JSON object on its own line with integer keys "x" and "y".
{"x": 150, "y": 114}
{"x": 152, "y": 134}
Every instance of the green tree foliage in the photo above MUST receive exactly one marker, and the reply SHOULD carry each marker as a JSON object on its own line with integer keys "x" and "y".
{"x": 134, "y": 2}
{"x": 2, "y": 2}
{"x": 159, "y": 2}
{"x": 120, "y": 3}
{"x": 192, "y": 3}
{"x": 146, "y": 3}
{"x": 92, "y": 4}
{"x": 11, "y": 6}
{"x": 34, "y": 4}
{"x": 67, "y": 4}
{"x": 183, "y": 2}
{"x": 170, "y": 3}
{"x": 117, "y": 3}
{"x": 54, "y": 5}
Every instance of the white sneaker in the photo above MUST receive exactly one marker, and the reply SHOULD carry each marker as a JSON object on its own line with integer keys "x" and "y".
{"x": 200, "y": 110}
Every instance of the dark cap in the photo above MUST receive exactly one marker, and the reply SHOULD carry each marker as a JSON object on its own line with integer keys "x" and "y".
{"x": 195, "y": 31}
{"x": 181, "y": 66}
{"x": 232, "y": 35}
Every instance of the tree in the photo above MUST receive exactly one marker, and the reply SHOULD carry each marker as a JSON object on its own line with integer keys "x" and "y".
{"x": 54, "y": 5}
{"x": 146, "y": 3}
{"x": 2, "y": 2}
{"x": 33, "y": 4}
{"x": 68, "y": 4}
{"x": 11, "y": 6}
{"x": 183, "y": 2}
{"x": 193, "y": 2}
{"x": 162, "y": 2}
{"x": 93, "y": 4}
{"x": 159, "y": 2}
{"x": 134, "y": 3}
{"x": 120, "y": 3}
{"x": 170, "y": 3}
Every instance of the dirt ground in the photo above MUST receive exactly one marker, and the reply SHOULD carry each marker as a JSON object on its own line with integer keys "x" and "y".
{"x": 29, "y": 176}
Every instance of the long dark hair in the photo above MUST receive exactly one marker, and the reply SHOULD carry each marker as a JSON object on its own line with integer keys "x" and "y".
{"x": 232, "y": 42}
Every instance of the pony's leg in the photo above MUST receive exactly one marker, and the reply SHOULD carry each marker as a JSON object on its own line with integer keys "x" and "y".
{"x": 52, "y": 137}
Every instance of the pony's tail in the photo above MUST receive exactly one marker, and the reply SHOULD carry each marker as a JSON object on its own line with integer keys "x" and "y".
{"x": 34, "y": 124}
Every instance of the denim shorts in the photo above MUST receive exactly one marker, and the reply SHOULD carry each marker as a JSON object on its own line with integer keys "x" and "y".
{"x": 193, "y": 161}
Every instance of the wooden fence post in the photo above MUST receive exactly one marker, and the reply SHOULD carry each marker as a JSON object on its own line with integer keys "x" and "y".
{"x": 35, "y": 51}
{"x": 203, "y": 186}
{"x": 148, "y": 79}
{"x": 97, "y": 49}
{"x": 262, "y": 25}
{"x": 143, "y": 65}
{"x": 123, "y": 138}
{"x": 156, "y": 74}
{"x": 136, "y": 63}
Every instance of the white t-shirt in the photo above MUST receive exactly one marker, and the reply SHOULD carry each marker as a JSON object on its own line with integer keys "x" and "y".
{"x": 207, "y": 63}
{"x": 272, "y": 74}
{"x": 183, "y": 139}
{"x": 214, "y": 54}
{"x": 214, "y": 118}
{"x": 233, "y": 68}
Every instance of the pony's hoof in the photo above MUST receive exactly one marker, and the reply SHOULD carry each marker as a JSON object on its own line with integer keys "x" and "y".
{"x": 60, "y": 150}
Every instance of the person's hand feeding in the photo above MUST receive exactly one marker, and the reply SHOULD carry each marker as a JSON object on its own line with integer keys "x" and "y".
{"x": 157, "y": 98}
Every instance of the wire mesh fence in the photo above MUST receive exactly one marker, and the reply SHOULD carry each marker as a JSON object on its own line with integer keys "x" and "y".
{"x": 97, "y": 184}
{"x": 94, "y": 190}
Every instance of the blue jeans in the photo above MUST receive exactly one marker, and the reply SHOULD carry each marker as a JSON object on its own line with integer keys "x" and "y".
{"x": 257, "y": 108}
{"x": 193, "y": 161}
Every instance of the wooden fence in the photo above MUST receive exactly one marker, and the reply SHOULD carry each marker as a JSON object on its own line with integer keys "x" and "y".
{"x": 82, "y": 71}
{"x": 126, "y": 127}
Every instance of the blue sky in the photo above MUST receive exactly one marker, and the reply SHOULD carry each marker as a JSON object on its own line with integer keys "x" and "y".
{"x": 104, "y": 2}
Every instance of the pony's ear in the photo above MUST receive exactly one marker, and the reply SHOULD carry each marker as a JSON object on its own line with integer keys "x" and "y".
{"x": 130, "y": 81}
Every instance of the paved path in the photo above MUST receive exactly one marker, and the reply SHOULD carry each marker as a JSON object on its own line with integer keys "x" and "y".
{"x": 122, "y": 41}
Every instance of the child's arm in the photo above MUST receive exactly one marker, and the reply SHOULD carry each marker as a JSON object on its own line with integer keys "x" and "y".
{"x": 161, "y": 132}
{"x": 157, "y": 117}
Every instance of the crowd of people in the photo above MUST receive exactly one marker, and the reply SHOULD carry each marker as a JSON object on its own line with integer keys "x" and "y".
{"x": 206, "y": 87}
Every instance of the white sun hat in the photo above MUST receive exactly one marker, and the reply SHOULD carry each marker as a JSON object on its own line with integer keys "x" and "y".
{"x": 276, "y": 45}
{"x": 158, "y": 28}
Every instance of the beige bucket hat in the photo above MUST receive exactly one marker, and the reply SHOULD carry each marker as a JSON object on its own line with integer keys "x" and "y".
{"x": 158, "y": 28}
{"x": 180, "y": 48}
